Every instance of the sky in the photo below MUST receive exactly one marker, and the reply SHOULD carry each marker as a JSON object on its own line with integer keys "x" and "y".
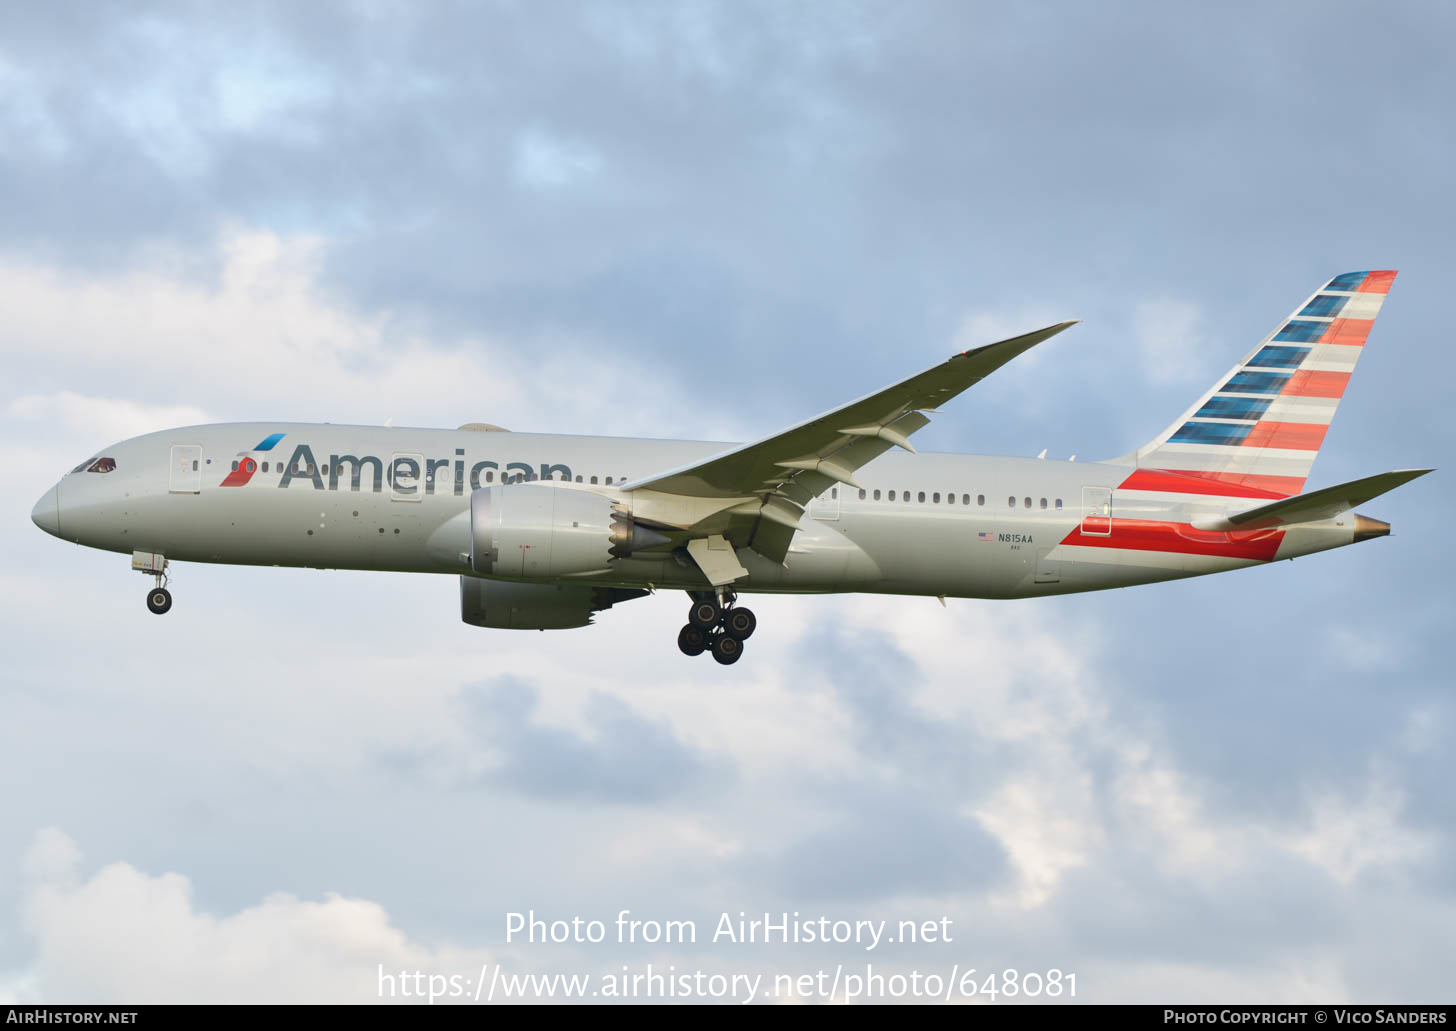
{"x": 709, "y": 221}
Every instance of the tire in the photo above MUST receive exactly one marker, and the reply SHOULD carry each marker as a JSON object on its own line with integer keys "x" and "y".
{"x": 159, "y": 600}
{"x": 705, "y": 614}
{"x": 727, "y": 649}
{"x": 692, "y": 640}
{"x": 740, "y": 623}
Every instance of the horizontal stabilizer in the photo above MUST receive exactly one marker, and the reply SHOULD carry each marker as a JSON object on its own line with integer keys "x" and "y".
{"x": 1314, "y": 506}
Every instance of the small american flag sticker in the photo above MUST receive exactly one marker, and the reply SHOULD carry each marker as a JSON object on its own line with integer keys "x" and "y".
{"x": 985, "y": 537}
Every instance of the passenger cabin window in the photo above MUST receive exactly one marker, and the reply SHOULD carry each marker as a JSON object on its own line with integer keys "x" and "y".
{"x": 920, "y": 497}
{"x": 861, "y": 494}
{"x": 1043, "y": 503}
{"x": 950, "y": 499}
{"x": 935, "y": 498}
{"x": 609, "y": 481}
{"x": 877, "y": 494}
{"x": 1059, "y": 504}
{"x": 980, "y": 499}
{"x": 1011, "y": 501}
{"x": 1026, "y": 502}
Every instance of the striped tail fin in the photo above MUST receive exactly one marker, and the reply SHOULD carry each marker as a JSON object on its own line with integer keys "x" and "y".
{"x": 1257, "y": 432}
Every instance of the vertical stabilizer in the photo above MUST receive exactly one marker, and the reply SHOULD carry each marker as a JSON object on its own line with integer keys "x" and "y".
{"x": 1257, "y": 431}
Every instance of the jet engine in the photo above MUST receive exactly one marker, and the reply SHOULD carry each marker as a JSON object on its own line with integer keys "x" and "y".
{"x": 548, "y": 530}
{"x": 514, "y": 606}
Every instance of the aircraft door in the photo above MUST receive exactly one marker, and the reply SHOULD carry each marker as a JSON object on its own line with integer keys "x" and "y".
{"x": 185, "y": 475}
{"x": 1097, "y": 511}
{"x": 406, "y": 476}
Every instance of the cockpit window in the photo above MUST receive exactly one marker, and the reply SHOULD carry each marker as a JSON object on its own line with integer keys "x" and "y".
{"x": 83, "y": 465}
{"x": 102, "y": 465}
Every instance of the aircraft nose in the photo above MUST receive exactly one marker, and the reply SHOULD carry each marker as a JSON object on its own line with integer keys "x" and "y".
{"x": 47, "y": 512}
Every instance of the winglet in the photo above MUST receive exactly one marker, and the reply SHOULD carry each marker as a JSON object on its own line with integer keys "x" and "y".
{"x": 1031, "y": 339}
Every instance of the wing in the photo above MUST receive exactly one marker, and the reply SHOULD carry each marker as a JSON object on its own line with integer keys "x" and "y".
{"x": 779, "y": 475}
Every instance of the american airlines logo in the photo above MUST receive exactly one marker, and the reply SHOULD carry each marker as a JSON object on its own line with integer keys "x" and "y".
{"x": 403, "y": 474}
{"x": 246, "y": 465}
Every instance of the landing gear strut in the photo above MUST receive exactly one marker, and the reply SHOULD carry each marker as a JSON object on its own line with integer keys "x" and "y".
{"x": 715, "y": 624}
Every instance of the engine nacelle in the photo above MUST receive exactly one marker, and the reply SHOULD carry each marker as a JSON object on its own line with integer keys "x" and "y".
{"x": 546, "y": 530}
{"x": 513, "y": 606}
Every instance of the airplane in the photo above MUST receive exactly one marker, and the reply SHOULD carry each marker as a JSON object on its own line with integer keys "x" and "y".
{"x": 544, "y": 531}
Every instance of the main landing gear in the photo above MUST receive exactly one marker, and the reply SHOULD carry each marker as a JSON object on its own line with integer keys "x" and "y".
{"x": 715, "y": 624}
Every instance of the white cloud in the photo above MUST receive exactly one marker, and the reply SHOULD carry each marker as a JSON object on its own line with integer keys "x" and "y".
{"x": 264, "y": 340}
{"x": 1042, "y": 822}
{"x": 125, "y": 936}
{"x": 1350, "y": 836}
{"x": 52, "y": 857}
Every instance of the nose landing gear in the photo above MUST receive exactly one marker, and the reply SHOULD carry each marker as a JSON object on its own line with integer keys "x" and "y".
{"x": 715, "y": 624}
{"x": 159, "y": 599}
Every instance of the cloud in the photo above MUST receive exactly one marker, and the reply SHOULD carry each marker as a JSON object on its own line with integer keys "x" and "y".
{"x": 124, "y": 936}
{"x": 102, "y": 418}
{"x": 713, "y": 220}
{"x": 1348, "y": 837}
{"x": 260, "y": 338}
{"x": 543, "y": 161}
{"x": 627, "y": 760}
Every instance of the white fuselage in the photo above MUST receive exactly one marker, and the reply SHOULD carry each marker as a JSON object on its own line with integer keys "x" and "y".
{"x": 929, "y": 524}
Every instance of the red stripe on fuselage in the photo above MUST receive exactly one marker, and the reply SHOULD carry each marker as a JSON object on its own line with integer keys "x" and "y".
{"x": 1231, "y": 485}
{"x": 1181, "y": 538}
{"x": 1290, "y": 436}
